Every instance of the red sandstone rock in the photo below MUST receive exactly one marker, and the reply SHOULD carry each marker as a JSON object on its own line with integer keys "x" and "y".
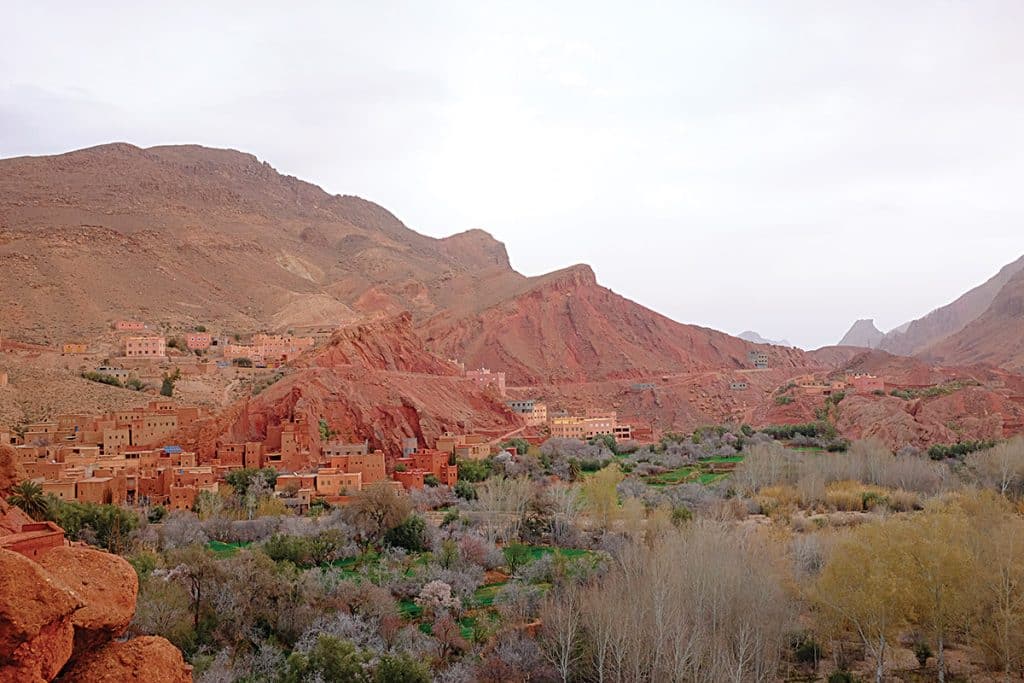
{"x": 105, "y": 583}
{"x": 149, "y": 658}
{"x": 36, "y": 612}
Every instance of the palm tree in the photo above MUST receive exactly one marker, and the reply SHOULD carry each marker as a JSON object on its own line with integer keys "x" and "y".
{"x": 28, "y": 495}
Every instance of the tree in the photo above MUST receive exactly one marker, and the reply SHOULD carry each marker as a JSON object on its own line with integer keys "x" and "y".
{"x": 563, "y": 630}
{"x": 28, "y": 496}
{"x": 330, "y": 659}
{"x": 601, "y": 494}
{"x": 378, "y": 508}
{"x": 940, "y": 570}
{"x": 169, "y": 379}
{"x": 516, "y": 556}
{"x": 197, "y": 569}
{"x": 325, "y": 430}
{"x": 861, "y": 591}
{"x": 401, "y": 668}
{"x": 410, "y": 534}
{"x": 1000, "y": 467}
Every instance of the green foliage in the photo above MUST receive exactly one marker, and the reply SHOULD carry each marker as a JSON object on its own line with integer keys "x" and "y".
{"x": 805, "y": 649}
{"x": 169, "y": 379}
{"x": 922, "y": 651}
{"x": 240, "y": 480}
{"x": 681, "y": 515}
{"x": 783, "y": 400}
{"x": 842, "y": 677}
{"x": 144, "y": 562}
{"x": 811, "y": 429}
{"x": 304, "y": 551}
{"x": 102, "y": 378}
{"x": 242, "y": 362}
{"x": 400, "y": 467}
{"x": 836, "y": 398}
{"x": 28, "y": 496}
{"x": 108, "y": 526}
{"x": 411, "y": 534}
{"x": 331, "y": 659}
{"x": 747, "y": 430}
{"x": 958, "y": 450}
{"x": 325, "y": 430}
{"x": 521, "y": 445}
{"x": 431, "y": 480}
{"x": 516, "y": 556}
{"x": 474, "y": 470}
{"x": 401, "y": 668}
{"x": 135, "y": 384}
{"x": 175, "y": 343}
{"x": 156, "y": 514}
{"x": 200, "y": 328}
{"x": 608, "y": 441}
{"x": 465, "y": 490}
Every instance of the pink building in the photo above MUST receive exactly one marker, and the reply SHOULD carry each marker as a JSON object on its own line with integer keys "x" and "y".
{"x": 198, "y": 340}
{"x": 145, "y": 347}
{"x": 485, "y": 378}
{"x": 129, "y": 326}
{"x": 866, "y": 384}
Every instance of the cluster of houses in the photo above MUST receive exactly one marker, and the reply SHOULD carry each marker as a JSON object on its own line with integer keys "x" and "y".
{"x": 128, "y": 457}
{"x": 138, "y": 342}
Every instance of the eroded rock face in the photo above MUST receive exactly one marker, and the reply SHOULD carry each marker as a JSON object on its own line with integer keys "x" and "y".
{"x": 107, "y": 586}
{"x": 148, "y": 658}
{"x": 36, "y": 614}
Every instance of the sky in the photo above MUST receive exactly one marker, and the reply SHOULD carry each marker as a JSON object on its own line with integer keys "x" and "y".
{"x": 785, "y": 167}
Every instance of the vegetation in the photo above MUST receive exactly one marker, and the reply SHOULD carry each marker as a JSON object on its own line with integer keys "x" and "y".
{"x": 169, "y": 380}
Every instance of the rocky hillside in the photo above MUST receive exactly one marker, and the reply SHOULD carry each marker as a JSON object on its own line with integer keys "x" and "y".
{"x": 567, "y": 328}
{"x": 372, "y": 382}
{"x": 996, "y": 336}
{"x": 918, "y": 335}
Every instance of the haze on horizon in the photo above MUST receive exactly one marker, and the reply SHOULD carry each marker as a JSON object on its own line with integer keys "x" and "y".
{"x": 785, "y": 169}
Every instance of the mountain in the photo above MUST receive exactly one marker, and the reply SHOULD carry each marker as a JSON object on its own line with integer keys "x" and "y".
{"x": 186, "y": 235}
{"x": 755, "y": 338}
{"x": 918, "y": 335}
{"x": 863, "y": 333}
{"x": 995, "y": 337}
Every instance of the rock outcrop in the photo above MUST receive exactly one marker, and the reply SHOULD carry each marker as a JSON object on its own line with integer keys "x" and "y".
{"x": 147, "y": 658}
{"x": 36, "y": 621}
{"x": 106, "y": 584}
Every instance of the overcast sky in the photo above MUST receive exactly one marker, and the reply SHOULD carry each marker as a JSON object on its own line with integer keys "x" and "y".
{"x": 782, "y": 167}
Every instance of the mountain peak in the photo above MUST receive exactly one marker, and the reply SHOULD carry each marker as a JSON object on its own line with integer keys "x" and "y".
{"x": 862, "y": 333}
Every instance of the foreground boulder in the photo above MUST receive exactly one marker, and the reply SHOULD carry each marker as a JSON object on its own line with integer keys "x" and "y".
{"x": 107, "y": 586}
{"x": 36, "y": 615}
{"x": 147, "y": 658}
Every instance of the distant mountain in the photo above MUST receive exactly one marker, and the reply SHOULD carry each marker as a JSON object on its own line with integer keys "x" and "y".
{"x": 863, "y": 334}
{"x": 918, "y": 335}
{"x": 996, "y": 336}
{"x": 754, "y": 337}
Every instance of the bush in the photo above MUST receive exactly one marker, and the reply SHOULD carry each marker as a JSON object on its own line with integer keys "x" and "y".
{"x": 475, "y": 470}
{"x": 958, "y": 450}
{"x": 242, "y": 362}
{"x": 411, "y": 534}
{"x": 842, "y": 677}
{"x": 102, "y": 378}
{"x": 465, "y": 490}
{"x": 783, "y": 400}
{"x": 401, "y": 668}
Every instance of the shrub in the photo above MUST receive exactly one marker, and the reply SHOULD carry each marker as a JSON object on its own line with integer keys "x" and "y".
{"x": 102, "y": 378}
{"x": 465, "y": 490}
{"x": 411, "y": 534}
{"x": 783, "y": 400}
{"x": 242, "y": 362}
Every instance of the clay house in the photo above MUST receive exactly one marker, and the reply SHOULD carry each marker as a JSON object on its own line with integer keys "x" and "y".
{"x": 238, "y": 455}
{"x": 594, "y": 423}
{"x": 371, "y": 467}
{"x": 427, "y": 462}
{"x": 100, "y": 490}
{"x": 331, "y": 482}
{"x": 129, "y": 326}
{"x": 62, "y": 489}
{"x": 198, "y": 341}
{"x": 465, "y": 446}
{"x": 332, "y": 448}
{"x": 120, "y": 374}
{"x": 866, "y": 384}
{"x": 484, "y": 379}
{"x": 409, "y": 446}
{"x": 145, "y": 347}
{"x": 74, "y": 348}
